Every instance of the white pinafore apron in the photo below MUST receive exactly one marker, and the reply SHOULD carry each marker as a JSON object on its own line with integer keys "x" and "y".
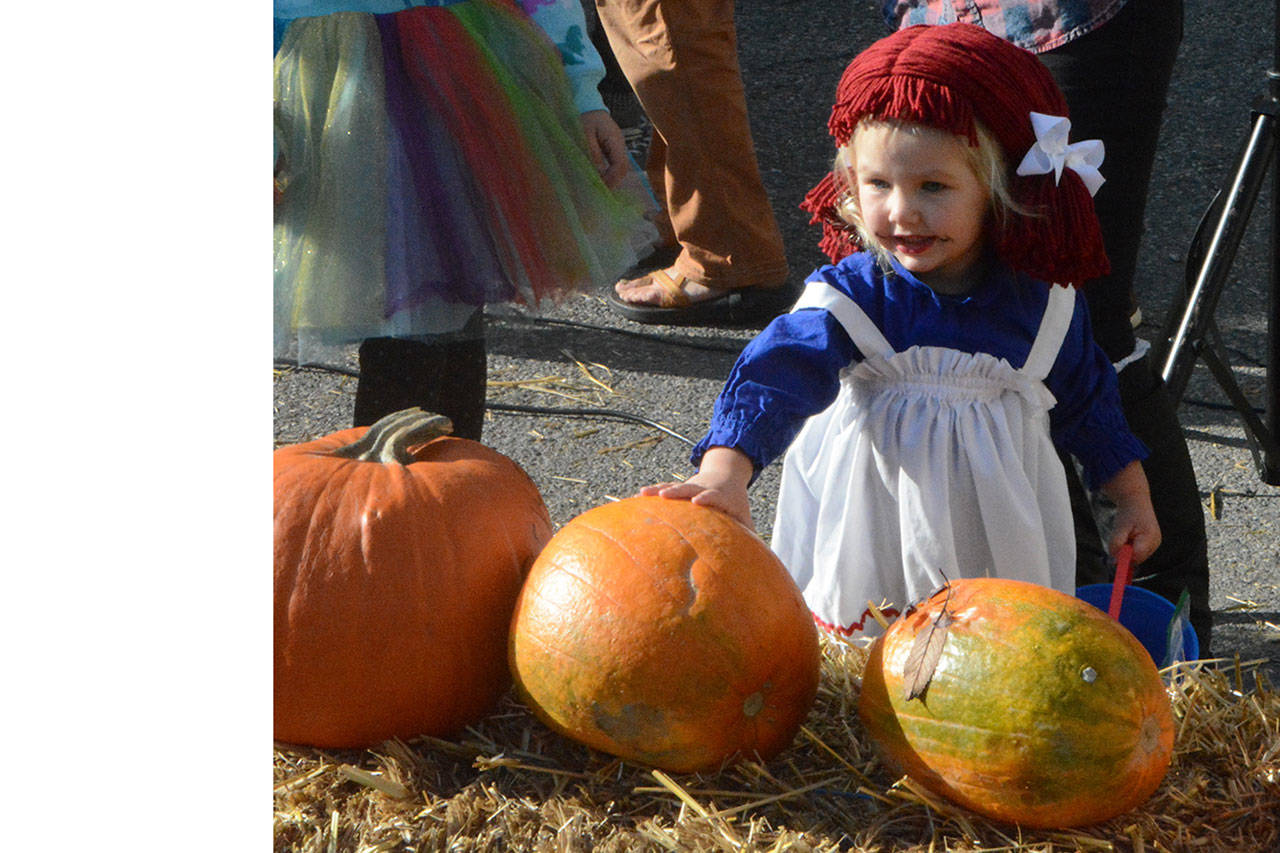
{"x": 932, "y": 464}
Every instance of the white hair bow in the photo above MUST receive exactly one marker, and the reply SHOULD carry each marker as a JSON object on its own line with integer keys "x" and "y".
{"x": 1051, "y": 153}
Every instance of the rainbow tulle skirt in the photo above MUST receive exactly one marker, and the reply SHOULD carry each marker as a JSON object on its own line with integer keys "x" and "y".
{"x": 429, "y": 161}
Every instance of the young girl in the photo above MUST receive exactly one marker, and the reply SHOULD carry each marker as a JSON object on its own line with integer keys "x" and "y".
{"x": 433, "y": 156}
{"x": 923, "y": 382}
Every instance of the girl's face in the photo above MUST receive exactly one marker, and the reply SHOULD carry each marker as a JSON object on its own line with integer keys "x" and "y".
{"x": 921, "y": 200}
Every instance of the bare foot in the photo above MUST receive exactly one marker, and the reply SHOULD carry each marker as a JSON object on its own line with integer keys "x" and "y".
{"x": 664, "y": 289}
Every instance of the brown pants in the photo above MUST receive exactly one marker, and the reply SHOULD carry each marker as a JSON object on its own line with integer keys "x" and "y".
{"x": 681, "y": 58}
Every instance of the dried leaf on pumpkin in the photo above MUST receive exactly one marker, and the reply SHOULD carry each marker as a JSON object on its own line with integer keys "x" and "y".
{"x": 925, "y": 652}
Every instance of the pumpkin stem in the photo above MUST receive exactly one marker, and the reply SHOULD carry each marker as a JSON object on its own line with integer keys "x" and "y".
{"x": 390, "y": 438}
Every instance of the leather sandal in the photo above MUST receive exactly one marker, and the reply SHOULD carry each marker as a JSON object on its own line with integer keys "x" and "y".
{"x": 725, "y": 307}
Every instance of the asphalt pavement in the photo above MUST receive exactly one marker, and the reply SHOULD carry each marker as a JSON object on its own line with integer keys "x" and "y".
{"x": 615, "y": 404}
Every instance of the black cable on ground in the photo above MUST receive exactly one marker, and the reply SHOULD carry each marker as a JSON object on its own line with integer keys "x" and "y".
{"x": 692, "y": 343}
{"x": 313, "y": 365}
{"x": 514, "y": 408}
{"x": 587, "y": 413}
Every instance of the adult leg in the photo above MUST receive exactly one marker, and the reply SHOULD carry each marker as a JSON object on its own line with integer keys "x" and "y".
{"x": 1092, "y": 561}
{"x": 442, "y": 374}
{"x": 1115, "y": 81}
{"x": 1182, "y": 560}
{"x": 682, "y": 61}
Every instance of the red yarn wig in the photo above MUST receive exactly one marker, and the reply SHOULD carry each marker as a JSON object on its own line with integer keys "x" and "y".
{"x": 947, "y": 77}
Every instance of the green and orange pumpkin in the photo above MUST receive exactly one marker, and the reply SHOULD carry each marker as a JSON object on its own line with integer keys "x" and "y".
{"x": 667, "y": 634}
{"x": 399, "y": 553}
{"x": 1041, "y": 710}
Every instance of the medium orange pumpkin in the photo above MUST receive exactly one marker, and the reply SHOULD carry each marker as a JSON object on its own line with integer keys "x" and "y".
{"x": 1041, "y": 709}
{"x": 667, "y": 634}
{"x": 399, "y": 553}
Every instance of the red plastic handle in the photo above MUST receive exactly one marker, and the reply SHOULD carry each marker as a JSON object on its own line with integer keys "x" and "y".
{"x": 1124, "y": 573}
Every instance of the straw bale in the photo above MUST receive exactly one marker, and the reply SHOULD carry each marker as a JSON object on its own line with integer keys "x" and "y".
{"x": 509, "y": 783}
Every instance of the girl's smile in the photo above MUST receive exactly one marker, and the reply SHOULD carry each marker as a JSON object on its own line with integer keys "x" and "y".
{"x": 921, "y": 200}
{"x": 904, "y": 244}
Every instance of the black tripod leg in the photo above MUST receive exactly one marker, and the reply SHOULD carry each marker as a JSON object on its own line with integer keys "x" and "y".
{"x": 1271, "y": 458}
{"x": 1185, "y": 342}
{"x": 1262, "y": 442}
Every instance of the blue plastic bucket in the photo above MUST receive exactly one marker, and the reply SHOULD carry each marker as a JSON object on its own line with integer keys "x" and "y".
{"x": 1147, "y": 616}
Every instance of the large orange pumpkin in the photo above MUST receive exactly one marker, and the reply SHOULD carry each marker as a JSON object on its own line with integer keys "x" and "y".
{"x": 667, "y": 634}
{"x": 1041, "y": 710}
{"x": 399, "y": 553}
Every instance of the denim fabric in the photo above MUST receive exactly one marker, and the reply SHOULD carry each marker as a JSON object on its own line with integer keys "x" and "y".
{"x": 1036, "y": 25}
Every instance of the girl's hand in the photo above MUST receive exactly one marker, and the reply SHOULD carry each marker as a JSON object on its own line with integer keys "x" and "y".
{"x": 606, "y": 146}
{"x": 1135, "y": 520}
{"x": 721, "y": 483}
{"x": 1138, "y": 528}
{"x": 730, "y": 501}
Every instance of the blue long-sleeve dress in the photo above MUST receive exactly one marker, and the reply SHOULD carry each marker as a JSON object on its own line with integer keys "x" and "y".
{"x": 923, "y": 432}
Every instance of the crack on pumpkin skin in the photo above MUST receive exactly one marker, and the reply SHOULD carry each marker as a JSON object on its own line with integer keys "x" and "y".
{"x": 690, "y": 600}
{"x": 687, "y": 610}
{"x": 621, "y": 546}
{"x": 693, "y": 561}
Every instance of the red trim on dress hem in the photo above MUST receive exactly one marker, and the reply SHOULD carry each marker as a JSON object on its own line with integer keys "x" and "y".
{"x": 890, "y": 612}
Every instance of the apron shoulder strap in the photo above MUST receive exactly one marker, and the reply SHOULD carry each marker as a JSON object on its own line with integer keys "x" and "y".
{"x": 869, "y": 340}
{"x": 1053, "y": 329}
